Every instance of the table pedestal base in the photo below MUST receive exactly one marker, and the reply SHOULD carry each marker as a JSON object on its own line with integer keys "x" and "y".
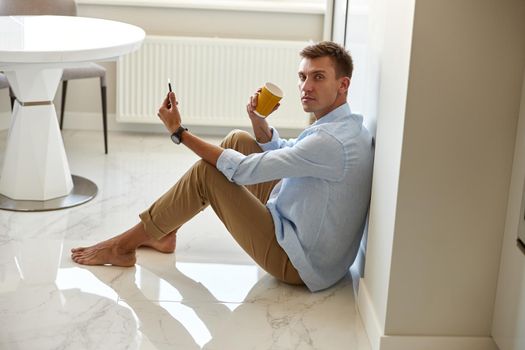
{"x": 35, "y": 164}
{"x": 83, "y": 191}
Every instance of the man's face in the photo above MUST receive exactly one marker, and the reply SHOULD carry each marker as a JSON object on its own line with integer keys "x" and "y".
{"x": 321, "y": 91}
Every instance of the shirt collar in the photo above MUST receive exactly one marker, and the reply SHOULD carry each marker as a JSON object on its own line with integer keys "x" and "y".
{"x": 338, "y": 113}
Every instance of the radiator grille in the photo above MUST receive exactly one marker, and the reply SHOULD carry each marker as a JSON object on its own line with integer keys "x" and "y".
{"x": 213, "y": 79}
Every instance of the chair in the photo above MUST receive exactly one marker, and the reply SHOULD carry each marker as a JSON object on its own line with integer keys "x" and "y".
{"x": 92, "y": 70}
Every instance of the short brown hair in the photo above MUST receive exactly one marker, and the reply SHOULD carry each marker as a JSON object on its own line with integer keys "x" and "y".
{"x": 340, "y": 57}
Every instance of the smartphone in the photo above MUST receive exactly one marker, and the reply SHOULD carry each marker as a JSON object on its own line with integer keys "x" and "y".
{"x": 169, "y": 88}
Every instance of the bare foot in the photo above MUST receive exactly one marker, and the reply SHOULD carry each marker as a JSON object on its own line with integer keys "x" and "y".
{"x": 106, "y": 252}
{"x": 120, "y": 250}
{"x": 166, "y": 244}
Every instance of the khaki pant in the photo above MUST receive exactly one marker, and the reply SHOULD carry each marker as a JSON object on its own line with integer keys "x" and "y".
{"x": 241, "y": 208}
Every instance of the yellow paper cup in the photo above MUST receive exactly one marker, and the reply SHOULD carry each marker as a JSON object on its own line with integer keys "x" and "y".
{"x": 269, "y": 97}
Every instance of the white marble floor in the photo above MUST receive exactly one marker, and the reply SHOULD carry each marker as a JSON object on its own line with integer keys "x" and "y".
{"x": 208, "y": 295}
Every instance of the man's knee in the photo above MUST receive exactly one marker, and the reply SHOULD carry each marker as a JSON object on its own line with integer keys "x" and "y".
{"x": 204, "y": 173}
{"x": 203, "y": 166}
{"x": 236, "y": 138}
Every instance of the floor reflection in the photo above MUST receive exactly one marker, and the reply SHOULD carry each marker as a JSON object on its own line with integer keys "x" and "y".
{"x": 161, "y": 303}
{"x": 44, "y": 306}
{"x": 163, "y": 298}
{"x": 195, "y": 305}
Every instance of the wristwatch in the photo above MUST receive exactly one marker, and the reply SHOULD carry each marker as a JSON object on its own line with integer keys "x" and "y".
{"x": 176, "y": 137}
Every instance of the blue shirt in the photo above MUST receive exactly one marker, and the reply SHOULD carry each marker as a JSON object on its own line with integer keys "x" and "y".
{"x": 319, "y": 207}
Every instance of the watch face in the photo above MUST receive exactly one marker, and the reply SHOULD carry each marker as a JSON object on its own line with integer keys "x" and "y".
{"x": 177, "y": 135}
{"x": 175, "y": 138}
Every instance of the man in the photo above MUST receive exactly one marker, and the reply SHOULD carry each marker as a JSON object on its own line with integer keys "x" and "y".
{"x": 297, "y": 206}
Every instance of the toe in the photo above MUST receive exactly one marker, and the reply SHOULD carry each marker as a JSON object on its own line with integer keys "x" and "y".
{"x": 76, "y": 254}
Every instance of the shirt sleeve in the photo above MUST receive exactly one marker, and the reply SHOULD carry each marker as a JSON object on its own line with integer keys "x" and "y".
{"x": 317, "y": 155}
{"x": 276, "y": 142}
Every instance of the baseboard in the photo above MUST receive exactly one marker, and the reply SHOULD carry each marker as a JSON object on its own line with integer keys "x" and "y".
{"x": 379, "y": 341}
{"x": 436, "y": 343}
{"x": 368, "y": 314}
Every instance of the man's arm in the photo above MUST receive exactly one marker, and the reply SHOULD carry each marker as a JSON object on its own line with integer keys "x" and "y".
{"x": 207, "y": 151}
{"x": 318, "y": 155}
{"x": 170, "y": 116}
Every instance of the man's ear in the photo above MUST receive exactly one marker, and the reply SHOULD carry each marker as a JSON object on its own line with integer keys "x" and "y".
{"x": 345, "y": 84}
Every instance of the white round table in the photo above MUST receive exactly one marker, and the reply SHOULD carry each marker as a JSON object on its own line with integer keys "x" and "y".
{"x": 33, "y": 52}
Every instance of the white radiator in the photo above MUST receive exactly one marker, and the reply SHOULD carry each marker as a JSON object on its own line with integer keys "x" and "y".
{"x": 213, "y": 79}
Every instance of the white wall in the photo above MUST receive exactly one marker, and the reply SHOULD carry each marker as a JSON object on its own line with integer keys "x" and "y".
{"x": 462, "y": 110}
{"x": 448, "y": 103}
{"x": 509, "y": 310}
{"x": 389, "y": 46}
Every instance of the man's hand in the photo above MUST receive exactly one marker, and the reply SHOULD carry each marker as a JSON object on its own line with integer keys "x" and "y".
{"x": 170, "y": 116}
{"x": 169, "y": 113}
{"x": 252, "y": 104}
{"x": 262, "y": 131}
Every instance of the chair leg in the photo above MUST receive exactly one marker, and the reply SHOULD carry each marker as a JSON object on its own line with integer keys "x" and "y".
{"x": 104, "y": 117}
{"x": 63, "y": 103}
